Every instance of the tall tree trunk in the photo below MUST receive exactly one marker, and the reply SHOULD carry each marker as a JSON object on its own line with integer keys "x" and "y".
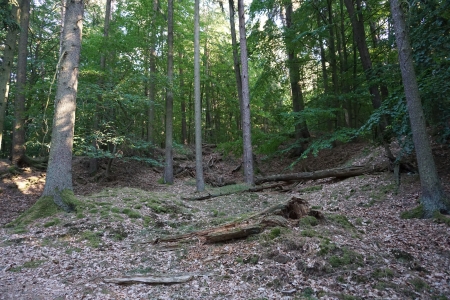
{"x": 200, "y": 182}
{"x": 359, "y": 34}
{"x": 59, "y": 171}
{"x": 168, "y": 169}
{"x": 18, "y": 147}
{"x": 183, "y": 101}
{"x": 333, "y": 61}
{"x": 5, "y": 67}
{"x": 93, "y": 162}
{"x": 152, "y": 86}
{"x": 433, "y": 198}
{"x": 237, "y": 69}
{"x": 246, "y": 120}
{"x": 301, "y": 129}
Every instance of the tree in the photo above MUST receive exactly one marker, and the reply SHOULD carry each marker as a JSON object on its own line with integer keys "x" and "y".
{"x": 237, "y": 69}
{"x": 59, "y": 171}
{"x": 200, "y": 182}
{"x": 246, "y": 121}
{"x": 5, "y": 66}
{"x": 18, "y": 148}
{"x": 301, "y": 129}
{"x": 168, "y": 168}
{"x": 433, "y": 197}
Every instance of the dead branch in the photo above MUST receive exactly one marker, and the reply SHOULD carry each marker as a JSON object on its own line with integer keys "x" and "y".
{"x": 158, "y": 279}
{"x": 337, "y": 173}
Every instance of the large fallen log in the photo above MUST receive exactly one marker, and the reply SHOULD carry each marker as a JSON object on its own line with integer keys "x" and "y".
{"x": 337, "y": 173}
{"x": 276, "y": 215}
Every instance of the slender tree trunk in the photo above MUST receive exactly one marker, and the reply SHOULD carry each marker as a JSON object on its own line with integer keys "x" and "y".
{"x": 433, "y": 197}
{"x": 246, "y": 120}
{"x": 5, "y": 67}
{"x": 18, "y": 147}
{"x": 237, "y": 69}
{"x": 93, "y": 162}
{"x": 301, "y": 129}
{"x": 168, "y": 170}
{"x": 152, "y": 86}
{"x": 360, "y": 38}
{"x": 59, "y": 171}
{"x": 200, "y": 182}
{"x": 183, "y": 101}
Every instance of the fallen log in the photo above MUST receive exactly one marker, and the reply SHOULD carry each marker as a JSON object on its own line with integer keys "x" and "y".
{"x": 161, "y": 279}
{"x": 276, "y": 215}
{"x": 337, "y": 173}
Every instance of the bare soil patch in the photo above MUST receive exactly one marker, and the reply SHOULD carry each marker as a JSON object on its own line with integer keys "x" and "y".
{"x": 362, "y": 250}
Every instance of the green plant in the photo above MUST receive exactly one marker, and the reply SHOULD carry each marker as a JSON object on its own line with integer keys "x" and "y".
{"x": 274, "y": 233}
{"x": 419, "y": 284}
{"x": 93, "y": 238}
{"x": 131, "y": 213}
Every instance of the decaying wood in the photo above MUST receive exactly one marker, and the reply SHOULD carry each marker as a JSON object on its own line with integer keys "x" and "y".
{"x": 250, "y": 189}
{"x": 337, "y": 173}
{"x": 159, "y": 279}
{"x": 277, "y": 215}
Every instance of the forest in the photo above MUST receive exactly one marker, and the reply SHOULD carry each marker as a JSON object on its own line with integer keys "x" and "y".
{"x": 264, "y": 149}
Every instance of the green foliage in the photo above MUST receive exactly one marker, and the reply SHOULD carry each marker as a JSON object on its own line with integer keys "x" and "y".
{"x": 274, "y": 233}
{"x": 94, "y": 238}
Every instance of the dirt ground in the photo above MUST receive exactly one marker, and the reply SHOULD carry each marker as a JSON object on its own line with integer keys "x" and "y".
{"x": 361, "y": 250}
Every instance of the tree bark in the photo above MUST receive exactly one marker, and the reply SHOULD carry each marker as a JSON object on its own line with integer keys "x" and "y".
{"x": 168, "y": 169}
{"x": 237, "y": 69}
{"x": 59, "y": 171}
{"x": 18, "y": 146}
{"x": 301, "y": 129}
{"x": 5, "y": 67}
{"x": 433, "y": 197}
{"x": 152, "y": 85}
{"x": 359, "y": 34}
{"x": 246, "y": 121}
{"x": 200, "y": 181}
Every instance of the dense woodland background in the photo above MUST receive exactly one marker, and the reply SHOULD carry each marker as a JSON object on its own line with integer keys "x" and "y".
{"x": 123, "y": 76}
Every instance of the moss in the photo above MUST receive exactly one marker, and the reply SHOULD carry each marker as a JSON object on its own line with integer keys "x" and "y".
{"x": 341, "y": 221}
{"x": 274, "y": 233}
{"x": 115, "y": 210}
{"x": 347, "y": 257}
{"x": 53, "y": 222}
{"x": 46, "y": 207}
{"x": 308, "y": 221}
{"x": 308, "y": 233}
{"x": 326, "y": 247}
{"x": 93, "y": 238}
{"x": 415, "y": 213}
{"x": 131, "y": 213}
{"x": 418, "y": 284}
{"x": 440, "y": 218}
{"x": 382, "y": 273}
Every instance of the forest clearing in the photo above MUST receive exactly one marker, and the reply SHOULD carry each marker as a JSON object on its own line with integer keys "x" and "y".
{"x": 361, "y": 249}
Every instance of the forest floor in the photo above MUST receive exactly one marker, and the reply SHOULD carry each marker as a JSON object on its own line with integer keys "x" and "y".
{"x": 361, "y": 250}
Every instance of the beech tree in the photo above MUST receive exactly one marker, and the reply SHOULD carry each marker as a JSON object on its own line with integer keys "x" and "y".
{"x": 59, "y": 171}
{"x": 168, "y": 168}
{"x": 200, "y": 182}
{"x": 433, "y": 198}
{"x": 246, "y": 121}
{"x": 18, "y": 148}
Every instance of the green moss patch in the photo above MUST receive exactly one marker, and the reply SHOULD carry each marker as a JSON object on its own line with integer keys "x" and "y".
{"x": 415, "y": 213}
{"x": 53, "y": 222}
{"x": 46, "y": 207}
